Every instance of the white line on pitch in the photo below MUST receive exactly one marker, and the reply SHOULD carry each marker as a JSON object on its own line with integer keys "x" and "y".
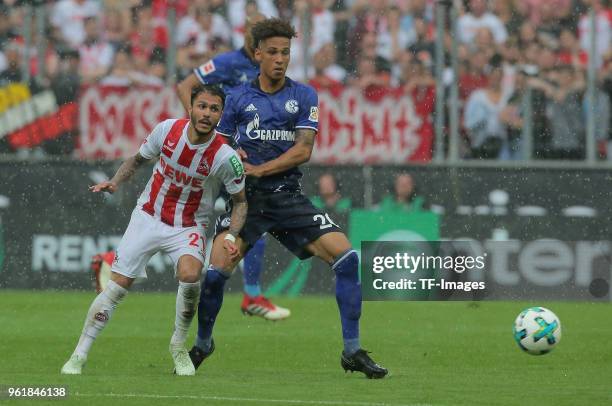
{"x": 234, "y": 399}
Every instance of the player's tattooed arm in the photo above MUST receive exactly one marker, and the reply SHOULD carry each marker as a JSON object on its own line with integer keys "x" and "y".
{"x": 294, "y": 156}
{"x": 125, "y": 172}
{"x": 239, "y": 212}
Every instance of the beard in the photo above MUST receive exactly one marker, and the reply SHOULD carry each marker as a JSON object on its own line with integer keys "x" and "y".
{"x": 199, "y": 133}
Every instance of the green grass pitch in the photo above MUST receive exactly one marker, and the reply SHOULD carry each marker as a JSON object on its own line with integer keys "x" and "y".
{"x": 438, "y": 354}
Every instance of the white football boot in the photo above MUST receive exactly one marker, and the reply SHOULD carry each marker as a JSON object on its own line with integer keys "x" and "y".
{"x": 74, "y": 365}
{"x": 182, "y": 363}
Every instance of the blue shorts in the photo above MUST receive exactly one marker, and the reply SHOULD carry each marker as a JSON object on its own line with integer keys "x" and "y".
{"x": 290, "y": 217}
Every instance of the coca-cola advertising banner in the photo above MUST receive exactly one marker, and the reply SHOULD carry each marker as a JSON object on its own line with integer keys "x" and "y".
{"x": 353, "y": 128}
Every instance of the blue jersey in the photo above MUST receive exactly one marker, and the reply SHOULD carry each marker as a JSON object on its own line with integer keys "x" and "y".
{"x": 264, "y": 125}
{"x": 229, "y": 69}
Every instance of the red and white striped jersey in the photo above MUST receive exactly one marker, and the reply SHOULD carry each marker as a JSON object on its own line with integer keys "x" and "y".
{"x": 187, "y": 177}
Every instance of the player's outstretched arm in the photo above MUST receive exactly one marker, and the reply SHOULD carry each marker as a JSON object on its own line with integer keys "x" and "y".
{"x": 184, "y": 89}
{"x": 125, "y": 172}
{"x": 294, "y": 156}
{"x": 239, "y": 215}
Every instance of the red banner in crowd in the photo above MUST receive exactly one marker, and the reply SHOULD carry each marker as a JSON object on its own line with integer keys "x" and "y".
{"x": 352, "y": 128}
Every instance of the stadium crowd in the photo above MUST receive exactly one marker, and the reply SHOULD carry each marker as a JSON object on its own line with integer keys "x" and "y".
{"x": 382, "y": 47}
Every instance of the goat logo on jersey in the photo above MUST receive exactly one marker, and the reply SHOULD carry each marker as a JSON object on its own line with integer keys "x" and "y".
{"x": 292, "y": 106}
{"x": 203, "y": 168}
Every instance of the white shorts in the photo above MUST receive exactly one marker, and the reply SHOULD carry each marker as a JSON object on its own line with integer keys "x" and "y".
{"x": 146, "y": 235}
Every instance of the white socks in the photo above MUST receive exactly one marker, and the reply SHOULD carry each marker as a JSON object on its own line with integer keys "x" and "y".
{"x": 186, "y": 304}
{"x": 104, "y": 305}
{"x": 98, "y": 316}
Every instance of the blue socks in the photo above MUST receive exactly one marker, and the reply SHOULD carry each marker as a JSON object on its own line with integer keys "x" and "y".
{"x": 211, "y": 299}
{"x": 348, "y": 297}
{"x": 253, "y": 262}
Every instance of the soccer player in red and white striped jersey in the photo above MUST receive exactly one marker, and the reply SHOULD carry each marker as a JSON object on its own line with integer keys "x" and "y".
{"x": 193, "y": 163}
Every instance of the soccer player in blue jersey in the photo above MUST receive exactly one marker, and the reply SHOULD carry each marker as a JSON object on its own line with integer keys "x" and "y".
{"x": 230, "y": 70}
{"x": 274, "y": 121}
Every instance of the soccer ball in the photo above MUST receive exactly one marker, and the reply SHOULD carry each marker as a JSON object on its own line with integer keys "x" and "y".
{"x": 537, "y": 330}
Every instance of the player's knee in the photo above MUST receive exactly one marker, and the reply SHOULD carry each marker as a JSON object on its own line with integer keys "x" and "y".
{"x": 189, "y": 269}
{"x": 347, "y": 263}
{"x": 121, "y": 280}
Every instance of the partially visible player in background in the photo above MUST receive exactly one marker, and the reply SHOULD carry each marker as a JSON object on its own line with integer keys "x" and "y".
{"x": 101, "y": 265}
{"x": 274, "y": 121}
{"x": 193, "y": 162}
{"x": 229, "y": 70}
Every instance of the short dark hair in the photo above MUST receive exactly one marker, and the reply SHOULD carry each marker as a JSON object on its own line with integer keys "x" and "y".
{"x": 272, "y": 27}
{"x": 210, "y": 89}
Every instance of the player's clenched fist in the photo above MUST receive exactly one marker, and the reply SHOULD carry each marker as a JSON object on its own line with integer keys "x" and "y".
{"x": 106, "y": 186}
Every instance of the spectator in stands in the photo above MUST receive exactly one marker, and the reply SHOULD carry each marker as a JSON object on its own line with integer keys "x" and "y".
{"x": 96, "y": 55}
{"x": 328, "y": 76}
{"x": 12, "y": 73}
{"x": 329, "y": 197}
{"x": 603, "y": 30}
{"x": 565, "y": 112}
{"x": 421, "y": 86}
{"x": 369, "y": 17}
{"x": 121, "y": 74}
{"x": 7, "y": 31}
{"x": 569, "y": 52}
{"x": 396, "y": 38}
{"x": 486, "y": 131}
{"x": 549, "y": 27}
{"x": 423, "y": 47}
{"x": 531, "y": 54}
{"x": 513, "y": 116}
{"x": 322, "y": 28}
{"x": 188, "y": 57}
{"x": 146, "y": 35}
{"x": 69, "y": 17}
{"x": 153, "y": 71}
{"x": 473, "y": 75}
{"x": 527, "y": 34}
{"x": 484, "y": 42}
{"x": 116, "y": 26}
{"x": 238, "y": 10}
{"x": 157, "y": 71}
{"x": 417, "y": 10}
{"x": 509, "y": 15}
{"x": 479, "y": 17}
{"x": 342, "y": 17}
{"x": 547, "y": 62}
{"x": 404, "y": 196}
{"x": 365, "y": 75}
{"x": 207, "y": 28}
{"x": 67, "y": 82}
{"x": 606, "y": 86}
{"x": 367, "y": 46}
{"x": 532, "y": 8}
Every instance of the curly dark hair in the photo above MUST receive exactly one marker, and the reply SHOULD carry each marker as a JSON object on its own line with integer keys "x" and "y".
{"x": 272, "y": 27}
